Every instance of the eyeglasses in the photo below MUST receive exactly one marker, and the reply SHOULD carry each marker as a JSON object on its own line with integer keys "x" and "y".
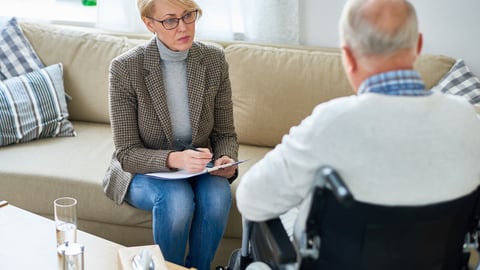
{"x": 172, "y": 23}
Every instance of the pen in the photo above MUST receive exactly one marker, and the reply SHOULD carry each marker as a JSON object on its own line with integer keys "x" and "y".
{"x": 187, "y": 146}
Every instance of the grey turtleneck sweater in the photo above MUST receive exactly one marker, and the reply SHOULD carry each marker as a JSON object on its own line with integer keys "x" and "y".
{"x": 174, "y": 71}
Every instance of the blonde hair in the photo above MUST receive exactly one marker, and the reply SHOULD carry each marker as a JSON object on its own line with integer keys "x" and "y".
{"x": 146, "y": 7}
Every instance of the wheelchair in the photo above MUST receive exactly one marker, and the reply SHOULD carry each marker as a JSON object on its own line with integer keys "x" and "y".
{"x": 342, "y": 234}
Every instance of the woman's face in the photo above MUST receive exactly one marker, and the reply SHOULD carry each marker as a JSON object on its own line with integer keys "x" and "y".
{"x": 179, "y": 38}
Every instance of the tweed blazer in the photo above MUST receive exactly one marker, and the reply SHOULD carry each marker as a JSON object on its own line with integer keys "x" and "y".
{"x": 139, "y": 116}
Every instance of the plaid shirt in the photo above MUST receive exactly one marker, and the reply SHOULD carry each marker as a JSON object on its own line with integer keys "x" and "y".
{"x": 396, "y": 83}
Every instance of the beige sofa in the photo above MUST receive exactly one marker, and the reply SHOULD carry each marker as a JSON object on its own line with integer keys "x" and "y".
{"x": 274, "y": 87}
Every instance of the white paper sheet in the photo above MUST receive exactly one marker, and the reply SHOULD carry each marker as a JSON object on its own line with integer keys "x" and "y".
{"x": 182, "y": 174}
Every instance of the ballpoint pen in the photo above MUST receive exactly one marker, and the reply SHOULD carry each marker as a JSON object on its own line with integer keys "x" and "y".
{"x": 190, "y": 147}
{"x": 187, "y": 146}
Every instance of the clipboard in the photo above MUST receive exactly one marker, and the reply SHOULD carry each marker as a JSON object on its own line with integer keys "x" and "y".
{"x": 183, "y": 174}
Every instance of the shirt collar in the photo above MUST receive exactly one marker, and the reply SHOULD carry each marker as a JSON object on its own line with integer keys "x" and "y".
{"x": 397, "y": 83}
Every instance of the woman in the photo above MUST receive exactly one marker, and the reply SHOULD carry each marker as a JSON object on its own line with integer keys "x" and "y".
{"x": 171, "y": 108}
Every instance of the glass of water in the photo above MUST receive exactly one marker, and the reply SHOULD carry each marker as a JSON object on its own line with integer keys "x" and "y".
{"x": 72, "y": 254}
{"x": 65, "y": 220}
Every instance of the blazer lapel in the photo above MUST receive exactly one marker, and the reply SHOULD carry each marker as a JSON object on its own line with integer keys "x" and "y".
{"x": 155, "y": 87}
{"x": 196, "y": 87}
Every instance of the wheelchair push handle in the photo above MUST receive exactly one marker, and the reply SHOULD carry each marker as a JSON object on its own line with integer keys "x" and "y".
{"x": 334, "y": 182}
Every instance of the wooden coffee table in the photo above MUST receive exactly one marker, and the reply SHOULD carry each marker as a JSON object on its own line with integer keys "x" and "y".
{"x": 28, "y": 242}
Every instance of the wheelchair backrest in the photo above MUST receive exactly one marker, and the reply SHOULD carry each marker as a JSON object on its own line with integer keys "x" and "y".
{"x": 370, "y": 237}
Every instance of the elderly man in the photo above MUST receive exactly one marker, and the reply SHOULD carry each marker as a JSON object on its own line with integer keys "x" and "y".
{"x": 394, "y": 143}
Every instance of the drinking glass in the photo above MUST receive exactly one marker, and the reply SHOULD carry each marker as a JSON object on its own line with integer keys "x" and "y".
{"x": 66, "y": 220}
{"x": 72, "y": 254}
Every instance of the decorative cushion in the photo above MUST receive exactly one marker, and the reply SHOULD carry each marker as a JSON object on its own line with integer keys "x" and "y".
{"x": 85, "y": 55}
{"x": 17, "y": 56}
{"x": 460, "y": 81}
{"x": 33, "y": 106}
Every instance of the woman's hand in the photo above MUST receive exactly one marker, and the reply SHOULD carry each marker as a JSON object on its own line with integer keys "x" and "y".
{"x": 192, "y": 161}
{"x": 225, "y": 172}
{"x": 196, "y": 160}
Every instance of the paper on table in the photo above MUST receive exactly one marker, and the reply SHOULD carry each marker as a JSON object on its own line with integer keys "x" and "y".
{"x": 126, "y": 255}
{"x": 182, "y": 174}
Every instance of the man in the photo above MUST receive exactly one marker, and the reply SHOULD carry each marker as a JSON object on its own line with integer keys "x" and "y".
{"x": 394, "y": 142}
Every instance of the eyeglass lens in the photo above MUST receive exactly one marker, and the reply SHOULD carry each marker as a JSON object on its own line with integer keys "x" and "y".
{"x": 188, "y": 18}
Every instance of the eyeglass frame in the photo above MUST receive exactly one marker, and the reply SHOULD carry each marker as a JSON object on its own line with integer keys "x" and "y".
{"x": 176, "y": 19}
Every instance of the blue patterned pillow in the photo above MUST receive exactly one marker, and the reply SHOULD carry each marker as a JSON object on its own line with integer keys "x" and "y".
{"x": 460, "y": 81}
{"x": 17, "y": 56}
{"x": 33, "y": 106}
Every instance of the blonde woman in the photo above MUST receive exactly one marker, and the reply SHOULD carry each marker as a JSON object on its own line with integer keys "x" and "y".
{"x": 171, "y": 108}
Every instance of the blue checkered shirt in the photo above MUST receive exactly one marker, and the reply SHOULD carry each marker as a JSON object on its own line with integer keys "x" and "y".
{"x": 396, "y": 83}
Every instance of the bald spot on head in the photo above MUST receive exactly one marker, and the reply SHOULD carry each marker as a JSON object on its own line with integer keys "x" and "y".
{"x": 388, "y": 16}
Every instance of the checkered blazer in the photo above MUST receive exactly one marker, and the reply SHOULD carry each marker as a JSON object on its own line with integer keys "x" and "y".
{"x": 139, "y": 116}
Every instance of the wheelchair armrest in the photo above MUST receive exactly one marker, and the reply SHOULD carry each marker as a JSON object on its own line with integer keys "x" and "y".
{"x": 270, "y": 243}
{"x": 336, "y": 184}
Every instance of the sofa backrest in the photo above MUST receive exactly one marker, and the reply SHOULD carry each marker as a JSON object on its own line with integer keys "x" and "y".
{"x": 274, "y": 88}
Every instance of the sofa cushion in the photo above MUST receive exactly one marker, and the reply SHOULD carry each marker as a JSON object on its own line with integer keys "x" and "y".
{"x": 33, "y": 106}
{"x": 86, "y": 56}
{"x": 462, "y": 82}
{"x": 74, "y": 167}
{"x": 16, "y": 54}
{"x": 433, "y": 67}
{"x": 295, "y": 80}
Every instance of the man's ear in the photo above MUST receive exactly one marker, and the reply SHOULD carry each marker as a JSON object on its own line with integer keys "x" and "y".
{"x": 419, "y": 43}
{"x": 349, "y": 58}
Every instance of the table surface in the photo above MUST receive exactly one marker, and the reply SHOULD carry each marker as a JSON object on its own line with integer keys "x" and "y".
{"x": 28, "y": 242}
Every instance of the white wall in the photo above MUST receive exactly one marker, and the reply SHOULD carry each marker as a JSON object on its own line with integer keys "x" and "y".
{"x": 449, "y": 27}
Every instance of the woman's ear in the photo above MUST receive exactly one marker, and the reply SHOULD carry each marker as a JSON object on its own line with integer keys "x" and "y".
{"x": 149, "y": 24}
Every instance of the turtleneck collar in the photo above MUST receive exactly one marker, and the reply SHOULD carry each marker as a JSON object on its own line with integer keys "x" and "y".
{"x": 168, "y": 55}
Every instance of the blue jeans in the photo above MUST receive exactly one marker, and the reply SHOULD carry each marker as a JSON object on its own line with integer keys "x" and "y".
{"x": 191, "y": 210}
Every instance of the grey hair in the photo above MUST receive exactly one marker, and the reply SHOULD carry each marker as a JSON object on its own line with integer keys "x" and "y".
{"x": 366, "y": 39}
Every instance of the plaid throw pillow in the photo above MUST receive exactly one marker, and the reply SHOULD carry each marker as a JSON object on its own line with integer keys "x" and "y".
{"x": 17, "y": 56}
{"x": 33, "y": 106}
{"x": 460, "y": 81}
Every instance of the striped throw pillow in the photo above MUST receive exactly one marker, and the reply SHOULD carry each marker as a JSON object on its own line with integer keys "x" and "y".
{"x": 33, "y": 106}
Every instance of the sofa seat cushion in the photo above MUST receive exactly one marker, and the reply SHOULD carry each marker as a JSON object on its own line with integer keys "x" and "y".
{"x": 252, "y": 154}
{"x": 35, "y": 173}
